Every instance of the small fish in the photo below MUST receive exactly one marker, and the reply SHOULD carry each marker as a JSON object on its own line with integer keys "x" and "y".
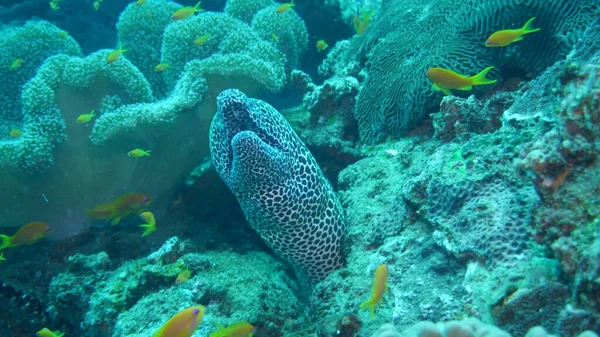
{"x": 186, "y": 12}
{"x": 183, "y": 276}
{"x": 17, "y": 63}
{"x": 115, "y": 54}
{"x": 15, "y": 133}
{"x": 505, "y": 37}
{"x": 96, "y": 5}
{"x": 361, "y": 23}
{"x": 140, "y": 2}
{"x": 161, "y": 67}
{"x": 26, "y": 235}
{"x": 54, "y": 5}
{"x": 182, "y": 324}
{"x": 201, "y": 40}
{"x": 119, "y": 208}
{"x": 45, "y": 332}
{"x": 150, "y": 225}
{"x": 240, "y": 329}
{"x": 2, "y": 257}
{"x": 85, "y": 118}
{"x": 379, "y": 288}
{"x": 331, "y": 120}
{"x": 285, "y": 7}
{"x": 275, "y": 37}
{"x": 444, "y": 80}
{"x": 139, "y": 153}
{"x": 63, "y": 34}
{"x": 321, "y": 45}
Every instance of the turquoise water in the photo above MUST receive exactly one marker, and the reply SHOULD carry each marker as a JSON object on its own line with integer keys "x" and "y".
{"x": 312, "y": 168}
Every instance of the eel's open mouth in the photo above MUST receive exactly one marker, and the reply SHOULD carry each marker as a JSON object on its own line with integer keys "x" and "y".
{"x": 241, "y": 113}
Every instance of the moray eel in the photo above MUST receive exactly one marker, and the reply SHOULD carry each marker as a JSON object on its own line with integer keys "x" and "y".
{"x": 281, "y": 189}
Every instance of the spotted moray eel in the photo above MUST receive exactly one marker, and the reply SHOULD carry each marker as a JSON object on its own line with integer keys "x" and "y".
{"x": 281, "y": 189}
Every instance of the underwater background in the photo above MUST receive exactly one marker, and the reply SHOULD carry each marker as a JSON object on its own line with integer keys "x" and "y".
{"x": 306, "y": 168}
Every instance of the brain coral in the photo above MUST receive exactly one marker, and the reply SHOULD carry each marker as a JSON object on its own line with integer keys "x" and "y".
{"x": 33, "y": 43}
{"x": 408, "y": 37}
{"x": 282, "y": 191}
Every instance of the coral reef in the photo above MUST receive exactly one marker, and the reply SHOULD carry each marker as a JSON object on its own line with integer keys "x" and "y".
{"x": 279, "y": 185}
{"x": 492, "y": 176}
{"x": 396, "y": 94}
{"x": 137, "y": 297}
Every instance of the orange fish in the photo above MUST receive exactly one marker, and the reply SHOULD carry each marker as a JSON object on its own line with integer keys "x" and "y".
{"x": 115, "y": 54}
{"x": 182, "y": 324}
{"x": 15, "y": 133}
{"x": 161, "y": 67}
{"x": 505, "y": 37}
{"x": 135, "y": 153}
{"x": 285, "y": 7}
{"x": 201, "y": 39}
{"x": 26, "y": 235}
{"x": 186, "y": 12}
{"x": 183, "y": 276}
{"x": 379, "y": 288}
{"x": 444, "y": 80}
{"x": 362, "y": 23}
{"x": 240, "y": 329}
{"x": 121, "y": 207}
{"x": 321, "y": 45}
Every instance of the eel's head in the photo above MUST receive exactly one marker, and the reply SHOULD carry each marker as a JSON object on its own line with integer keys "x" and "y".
{"x": 248, "y": 138}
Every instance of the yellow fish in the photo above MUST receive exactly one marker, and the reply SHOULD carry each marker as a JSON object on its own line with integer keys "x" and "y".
{"x": 140, "y": 2}
{"x": 54, "y": 5}
{"x": 285, "y": 7}
{"x": 444, "y": 80}
{"x": 16, "y": 64}
{"x": 63, "y": 34}
{"x": 45, "y": 332}
{"x": 161, "y": 67}
{"x": 26, "y": 235}
{"x": 150, "y": 225}
{"x": 182, "y": 324}
{"x": 362, "y": 23}
{"x": 183, "y": 276}
{"x": 115, "y": 54}
{"x": 379, "y": 288}
{"x": 96, "y": 5}
{"x": 275, "y": 37}
{"x": 186, "y": 12}
{"x": 85, "y": 118}
{"x": 2, "y": 257}
{"x": 321, "y": 45}
{"x": 505, "y": 37}
{"x": 201, "y": 40}
{"x": 139, "y": 153}
{"x": 240, "y": 329}
{"x": 15, "y": 133}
